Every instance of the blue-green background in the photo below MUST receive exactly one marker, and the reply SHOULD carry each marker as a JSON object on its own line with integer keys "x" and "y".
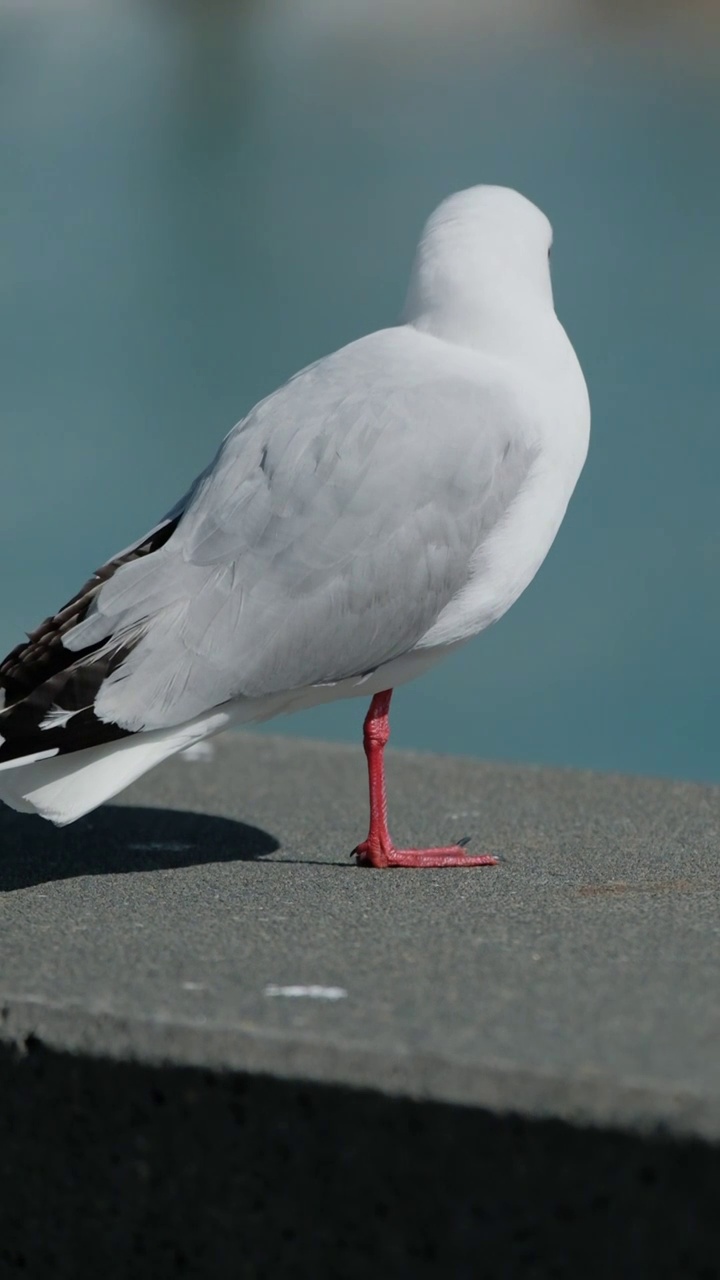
{"x": 198, "y": 199}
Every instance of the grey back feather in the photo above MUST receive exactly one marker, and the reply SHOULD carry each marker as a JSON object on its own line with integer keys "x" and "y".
{"x": 336, "y": 522}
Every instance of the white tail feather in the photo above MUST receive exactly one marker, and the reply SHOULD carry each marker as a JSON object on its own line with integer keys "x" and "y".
{"x": 65, "y": 787}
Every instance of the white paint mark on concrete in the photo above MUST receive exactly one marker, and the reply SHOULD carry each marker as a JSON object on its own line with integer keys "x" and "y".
{"x": 193, "y": 986}
{"x": 306, "y": 993}
{"x": 198, "y": 752}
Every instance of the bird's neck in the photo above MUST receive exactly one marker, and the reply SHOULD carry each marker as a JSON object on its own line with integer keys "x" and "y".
{"x": 522, "y": 331}
{"x": 470, "y": 302}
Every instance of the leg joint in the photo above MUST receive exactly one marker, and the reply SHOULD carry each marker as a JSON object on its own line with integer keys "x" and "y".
{"x": 376, "y": 734}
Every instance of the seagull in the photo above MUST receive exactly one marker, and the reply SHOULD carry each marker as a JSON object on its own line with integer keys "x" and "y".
{"x": 364, "y": 520}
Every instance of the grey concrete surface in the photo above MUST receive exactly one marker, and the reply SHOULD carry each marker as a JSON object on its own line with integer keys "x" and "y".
{"x": 579, "y": 978}
{"x": 576, "y": 985}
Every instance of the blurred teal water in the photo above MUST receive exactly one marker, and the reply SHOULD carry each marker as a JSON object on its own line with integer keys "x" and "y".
{"x": 196, "y": 201}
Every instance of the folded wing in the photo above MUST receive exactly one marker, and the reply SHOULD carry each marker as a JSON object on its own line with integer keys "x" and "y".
{"x": 337, "y": 521}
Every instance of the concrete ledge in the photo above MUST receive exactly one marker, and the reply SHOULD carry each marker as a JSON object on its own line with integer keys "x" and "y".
{"x": 517, "y": 1073}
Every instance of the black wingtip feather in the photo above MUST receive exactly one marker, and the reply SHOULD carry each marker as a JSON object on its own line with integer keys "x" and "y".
{"x": 40, "y": 674}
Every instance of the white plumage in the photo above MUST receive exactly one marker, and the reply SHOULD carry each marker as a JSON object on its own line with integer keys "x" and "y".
{"x": 383, "y": 506}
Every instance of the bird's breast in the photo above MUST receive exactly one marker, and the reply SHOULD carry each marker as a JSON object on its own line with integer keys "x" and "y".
{"x": 507, "y": 560}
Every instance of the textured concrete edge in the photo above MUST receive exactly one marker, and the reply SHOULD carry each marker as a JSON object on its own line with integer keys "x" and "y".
{"x": 593, "y": 1100}
{"x": 422, "y": 755}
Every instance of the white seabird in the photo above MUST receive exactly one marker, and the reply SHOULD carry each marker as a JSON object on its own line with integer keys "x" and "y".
{"x": 385, "y": 505}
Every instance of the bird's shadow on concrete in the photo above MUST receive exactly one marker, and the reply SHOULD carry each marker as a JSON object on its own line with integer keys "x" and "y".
{"x": 118, "y": 840}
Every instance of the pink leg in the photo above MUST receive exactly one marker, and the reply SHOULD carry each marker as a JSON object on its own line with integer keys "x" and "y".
{"x": 378, "y": 850}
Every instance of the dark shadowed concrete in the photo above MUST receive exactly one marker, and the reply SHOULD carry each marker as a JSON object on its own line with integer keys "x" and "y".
{"x": 519, "y": 1064}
